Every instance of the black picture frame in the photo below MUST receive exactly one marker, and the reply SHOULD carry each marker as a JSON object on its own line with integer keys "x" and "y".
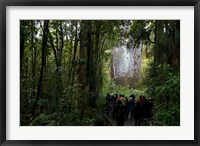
{"x": 5, "y": 3}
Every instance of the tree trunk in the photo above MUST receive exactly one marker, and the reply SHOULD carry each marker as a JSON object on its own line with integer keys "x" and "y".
{"x": 43, "y": 62}
{"x": 91, "y": 68}
{"x": 70, "y": 56}
{"x": 33, "y": 56}
{"x": 83, "y": 56}
{"x": 57, "y": 50}
{"x": 74, "y": 55}
{"x": 22, "y": 40}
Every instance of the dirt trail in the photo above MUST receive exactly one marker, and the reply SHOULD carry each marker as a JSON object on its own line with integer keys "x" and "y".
{"x": 131, "y": 122}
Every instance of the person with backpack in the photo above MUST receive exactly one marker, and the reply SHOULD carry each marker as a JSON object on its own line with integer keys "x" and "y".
{"x": 120, "y": 113}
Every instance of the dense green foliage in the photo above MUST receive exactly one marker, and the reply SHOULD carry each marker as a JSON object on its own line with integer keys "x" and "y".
{"x": 163, "y": 85}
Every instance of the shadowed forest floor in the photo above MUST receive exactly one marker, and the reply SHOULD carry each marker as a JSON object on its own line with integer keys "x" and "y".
{"x": 131, "y": 122}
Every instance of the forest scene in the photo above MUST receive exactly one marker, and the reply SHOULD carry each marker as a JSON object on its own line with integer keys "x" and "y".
{"x": 99, "y": 73}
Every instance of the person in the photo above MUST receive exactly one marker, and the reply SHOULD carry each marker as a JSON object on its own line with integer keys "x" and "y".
{"x": 120, "y": 113}
{"x": 141, "y": 100}
{"x": 112, "y": 104}
{"x": 137, "y": 113}
{"x": 108, "y": 101}
{"x": 123, "y": 100}
{"x": 131, "y": 104}
{"x": 126, "y": 107}
{"x": 147, "y": 108}
{"x": 112, "y": 97}
{"x": 133, "y": 96}
{"x": 115, "y": 99}
{"x": 118, "y": 98}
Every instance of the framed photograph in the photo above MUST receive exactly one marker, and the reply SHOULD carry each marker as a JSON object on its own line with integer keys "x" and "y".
{"x": 99, "y": 72}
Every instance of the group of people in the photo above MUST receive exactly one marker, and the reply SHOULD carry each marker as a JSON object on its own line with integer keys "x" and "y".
{"x": 122, "y": 108}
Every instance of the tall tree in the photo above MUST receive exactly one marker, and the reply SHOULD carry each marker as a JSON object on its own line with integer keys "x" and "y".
{"x": 82, "y": 71}
{"x": 43, "y": 62}
{"x": 58, "y": 52}
{"x": 75, "y": 52}
{"x": 33, "y": 56}
{"x": 22, "y": 43}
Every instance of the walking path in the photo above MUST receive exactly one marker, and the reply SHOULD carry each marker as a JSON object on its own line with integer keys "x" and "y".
{"x": 132, "y": 123}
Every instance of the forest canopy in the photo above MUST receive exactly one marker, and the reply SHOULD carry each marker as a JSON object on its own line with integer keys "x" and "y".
{"x": 69, "y": 67}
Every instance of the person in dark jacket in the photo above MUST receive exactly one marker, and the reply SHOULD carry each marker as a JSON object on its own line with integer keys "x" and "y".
{"x": 120, "y": 113}
{"x": 138, "y": 113}
{"x": 147, "y": 106}
{"x": 131, "y": 104}
{"x": 108, "y": 101}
